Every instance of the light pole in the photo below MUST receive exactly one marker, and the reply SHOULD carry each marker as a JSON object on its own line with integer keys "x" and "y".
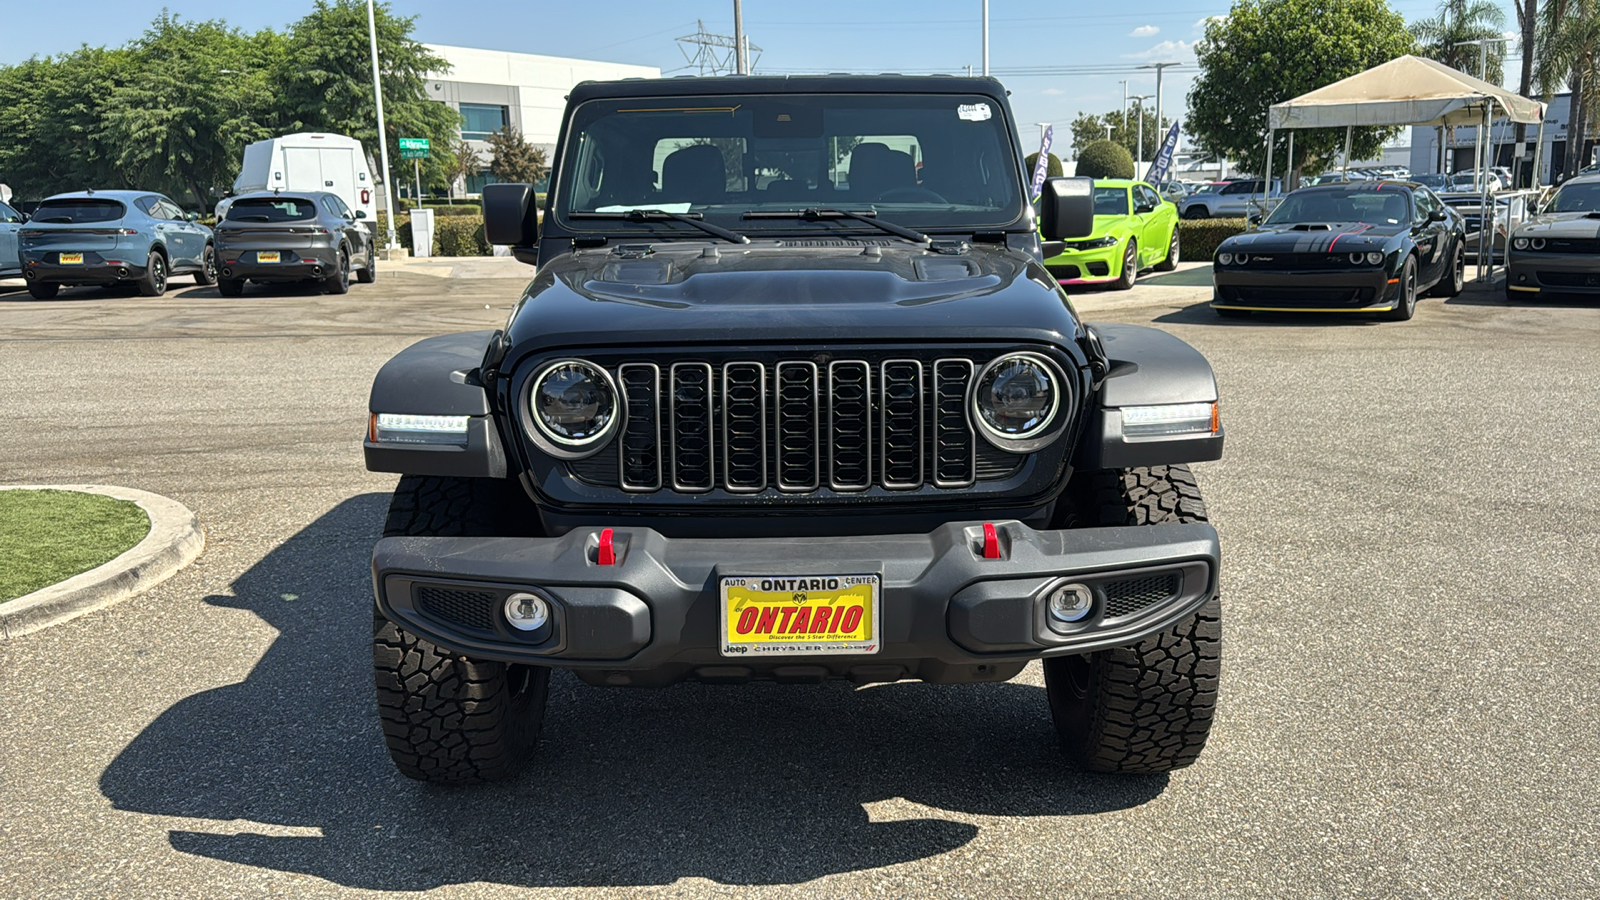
{"x": 1159, "y": 67}
{"x": 741, "y": 62}
{"x": 1138, "y": 158}
{"x": 986, "y": 38}
{"x": 383, "y": 136}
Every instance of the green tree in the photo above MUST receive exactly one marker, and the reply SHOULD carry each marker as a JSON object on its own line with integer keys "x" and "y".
{"x": 461, "y": 161}
{"x": 1105, "y": 159}
{"x": 1269, "y": 51}
{"x": 1087, "y": 130}
{"x": 513, "y": 159}
{"x": 1569, "y": 50}
{"x": 51, "y": 113}
{"x": 325, "y": 79}
{"x": 1052, "y": 166}
{"x": 1441, "y": 37}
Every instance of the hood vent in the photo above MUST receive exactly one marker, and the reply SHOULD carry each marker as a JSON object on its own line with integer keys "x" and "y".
{"x": 1308, "y": 226}
{"x": 832, "y": 242}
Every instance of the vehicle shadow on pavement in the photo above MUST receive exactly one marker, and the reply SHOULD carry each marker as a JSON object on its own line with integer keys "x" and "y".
{"x": 1202, "y": 314}
{"x": 759, "y": 784}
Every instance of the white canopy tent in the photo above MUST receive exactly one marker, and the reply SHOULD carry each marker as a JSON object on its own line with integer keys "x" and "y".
{"x": 1408, "y": 90}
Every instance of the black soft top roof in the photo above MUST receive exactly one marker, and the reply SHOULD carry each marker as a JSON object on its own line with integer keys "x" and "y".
{"x": 788, "y": 84}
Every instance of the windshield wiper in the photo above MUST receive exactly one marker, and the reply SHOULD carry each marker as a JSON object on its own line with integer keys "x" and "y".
{"x": 659, "y": 215}
{"x": 819, "y": 215}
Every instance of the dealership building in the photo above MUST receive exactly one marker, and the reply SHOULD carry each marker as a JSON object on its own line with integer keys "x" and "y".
{"x": 494, "y": 88}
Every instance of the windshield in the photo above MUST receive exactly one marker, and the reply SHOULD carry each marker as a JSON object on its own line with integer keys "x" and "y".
{"x": 924, "y": 161}
{"x": 1349, "y": 204}
{"x": 1110, "y": 201}
{"x": 1577, "y": 198}
{"x": 274, "y": 209}
{"x": 79, "y": 211}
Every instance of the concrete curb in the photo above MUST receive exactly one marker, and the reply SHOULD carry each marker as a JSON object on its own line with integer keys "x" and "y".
{"x": 175, "y": 539}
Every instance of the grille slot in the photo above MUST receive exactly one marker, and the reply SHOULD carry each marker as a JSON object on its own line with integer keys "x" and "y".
{"x": 850, "y": 425}
{"x": 1126, "y": 597}
{"x": 954, "y": 446}
{"x": 799, "y": 427}
{"x": 693, "y": 442}
{"x": 744, "y": 426}
{"x": 901, "y": 422}
{"x": 640, "y": 384}
{"x": 469, "y": 609}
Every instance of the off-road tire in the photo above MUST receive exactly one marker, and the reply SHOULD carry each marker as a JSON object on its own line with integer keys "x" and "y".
{"x": 207, "y": 275}
{"x": 40, "y": 291}
{"x": 1130, "y": 267}
{"x": 1454, "y": 279}
{"x": 154, "y": 282}
{"x": 1148, "y": 708}
{"x": 231, "y": 287}
{"x": 1174, "y": 253}
{"x": 448, "y": 719}
{"x": 1406, "y": 303}
{"x": 339, "y": 281}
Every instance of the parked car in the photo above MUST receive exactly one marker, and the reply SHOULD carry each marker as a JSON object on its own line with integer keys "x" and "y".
{"x": 113, "y": 237}
{"x": 736, "y": 432}
{"x": 1472, "y": 182}
{"x": 10, "y": 223}
{"x": 1558, "y": 250}
{"x": 1470, "y": 206}
{"x": 1432, "y": 182}
{"x": 1234, "y": 200}
{"x": 1134, "y": 229}
{"x": 1356, "y": 248}
{"x": 1173, "y": 190}
{"x": 274, "y": 237}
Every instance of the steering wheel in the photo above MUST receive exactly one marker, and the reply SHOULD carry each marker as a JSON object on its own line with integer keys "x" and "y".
{"x": 908, "y": 195}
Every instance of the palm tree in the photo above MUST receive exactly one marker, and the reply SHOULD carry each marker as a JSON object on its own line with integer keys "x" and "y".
{"x": 1569, "y": 51}
{"x": 1444, "y": 37}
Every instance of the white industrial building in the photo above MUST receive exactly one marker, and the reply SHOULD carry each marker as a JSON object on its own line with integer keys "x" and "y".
{"x": 495, "y": 88}
{"x": 1459, "y": 146}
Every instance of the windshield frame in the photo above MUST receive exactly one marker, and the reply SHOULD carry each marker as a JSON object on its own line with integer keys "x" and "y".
{"x": 1013, "y": 213}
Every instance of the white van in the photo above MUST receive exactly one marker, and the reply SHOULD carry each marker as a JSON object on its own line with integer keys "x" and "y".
{"x": 309, "y": 161}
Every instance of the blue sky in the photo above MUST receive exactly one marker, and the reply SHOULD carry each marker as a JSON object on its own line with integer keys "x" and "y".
{"x": 1089, "y": 49}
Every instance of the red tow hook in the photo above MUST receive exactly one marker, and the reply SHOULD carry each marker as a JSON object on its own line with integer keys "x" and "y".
{"x": 606, "y": 555}
{"x": 991, "y": 541}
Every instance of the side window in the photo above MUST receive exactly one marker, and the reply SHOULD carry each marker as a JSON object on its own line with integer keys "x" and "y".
{"x": 147, "y": 206}
{"x": 166, "y": 209}
{"x": 342, "y": 209}
{"x": 1148, "y": 198}
{"x": 1424, "y": 206}
{"x": 328, "y": 204}
{"x": 7, "y": 214}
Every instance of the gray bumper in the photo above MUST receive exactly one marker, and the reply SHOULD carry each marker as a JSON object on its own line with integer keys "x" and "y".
{"x": 947, "y": 612}
{"x": 1562, "y": 273}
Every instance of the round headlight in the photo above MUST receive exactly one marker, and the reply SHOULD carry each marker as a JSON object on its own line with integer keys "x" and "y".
{"x": 1356, "y": 258}
{"x": 1519, "y": 243}
{"x": 1241, "y": 258}
{"x": 1537, "y": 243}
{"x": 572, "y": 405}
{"x": 1015, "y": 400}
{"x": 1374, "y": 257}
{"x": 1225, "y": 258}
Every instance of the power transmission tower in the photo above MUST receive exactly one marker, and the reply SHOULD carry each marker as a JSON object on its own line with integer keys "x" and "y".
{"x": 715, "y": 54}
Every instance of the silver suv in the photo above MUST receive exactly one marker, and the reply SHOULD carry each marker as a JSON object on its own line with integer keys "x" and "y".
{"x": 1232, "y": 201}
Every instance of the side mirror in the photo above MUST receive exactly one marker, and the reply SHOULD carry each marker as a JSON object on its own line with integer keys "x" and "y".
{"x": 505, "y": 212}
{"x": 361, "y": 214}
{"x": 1066, "y": 208}
{"x": 191, "y": 217}
{"x": 1252, "y": 219}
{"x": 1437, "y": 216}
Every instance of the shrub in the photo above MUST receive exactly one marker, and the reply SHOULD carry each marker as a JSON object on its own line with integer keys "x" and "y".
{"x": 1200, "y": 237}
{"x": 459, "y": 236}
{"x": 1052, "y": 168}
{"x": 1103, "y": 159}
{"x": 464, "y": 210}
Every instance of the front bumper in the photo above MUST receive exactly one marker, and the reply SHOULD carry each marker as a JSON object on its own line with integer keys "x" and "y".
{"x": 301, "y": 264}
{"x": 1096, "y": 266}
{"x": 1558, "y": 273}
{"x": 947, "y": 613}
{"x": 1307, "y": 290}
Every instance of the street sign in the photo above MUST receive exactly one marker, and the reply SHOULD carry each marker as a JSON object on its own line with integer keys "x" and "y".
{"x": 414, "y": 148}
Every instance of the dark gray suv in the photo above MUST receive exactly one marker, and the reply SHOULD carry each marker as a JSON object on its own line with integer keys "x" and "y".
{"x": 275, "y": 237}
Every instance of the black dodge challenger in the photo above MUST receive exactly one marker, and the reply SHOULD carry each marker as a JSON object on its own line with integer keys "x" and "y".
{"x": 1361, "y": 248}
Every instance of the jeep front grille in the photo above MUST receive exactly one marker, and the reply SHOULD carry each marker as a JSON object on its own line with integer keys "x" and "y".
{"x": 797, "y": 426}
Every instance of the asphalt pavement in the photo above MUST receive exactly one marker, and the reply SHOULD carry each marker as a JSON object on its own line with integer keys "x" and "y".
{"x": 1409, "y": 698}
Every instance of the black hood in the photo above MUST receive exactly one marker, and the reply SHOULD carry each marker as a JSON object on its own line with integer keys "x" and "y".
{"x": 1315, "y": 237}
{"x": 789, "y": 291}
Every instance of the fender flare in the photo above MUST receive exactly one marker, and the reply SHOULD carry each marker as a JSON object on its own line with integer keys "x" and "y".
{"x": 437, "y": 376}
{"x": 1146, "y": 367}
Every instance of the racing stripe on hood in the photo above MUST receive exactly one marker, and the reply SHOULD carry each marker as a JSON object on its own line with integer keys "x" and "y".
{"x": 1364, "y": 227}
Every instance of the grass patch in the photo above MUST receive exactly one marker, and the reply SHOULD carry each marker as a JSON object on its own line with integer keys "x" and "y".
{"x": 49, "y": 536}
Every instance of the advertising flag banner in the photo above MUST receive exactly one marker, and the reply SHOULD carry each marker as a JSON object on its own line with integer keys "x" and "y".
{"x": 1163, "y": 161}
{"x": 1042, "y": 167}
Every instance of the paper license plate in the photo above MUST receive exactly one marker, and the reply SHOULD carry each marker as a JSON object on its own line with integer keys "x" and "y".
{"x": 811, "y": 615}
{"x": 72, "y": 259}
{"x": 267, "y": 256}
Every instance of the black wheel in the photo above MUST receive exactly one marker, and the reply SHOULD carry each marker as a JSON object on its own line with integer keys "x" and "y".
{"x": 231, "y": 287}
{"x": 1454, "y": 280}
{"x": 1174, "y": 253}
{"x": 1130, "y": 266}
{"x": 208, "y": 268}
{"x": 1406, "y": 304}
{"x": 449, "y": 719}
{"x": 154, "y": 282}
{"x": 339, "y": 281}
{"x": 369, "y": 273}
{"x": 1197, "y": 212}
{"x": 43, "y": 291}
{"x": 1147, "y": 708}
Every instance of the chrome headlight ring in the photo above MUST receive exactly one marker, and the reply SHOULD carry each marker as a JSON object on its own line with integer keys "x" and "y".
{"x": 606, "y": 416}
{"x": 1049, "y": 427}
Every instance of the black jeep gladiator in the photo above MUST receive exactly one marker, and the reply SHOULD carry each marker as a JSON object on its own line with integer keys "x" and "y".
{"x": 791, "y": 397}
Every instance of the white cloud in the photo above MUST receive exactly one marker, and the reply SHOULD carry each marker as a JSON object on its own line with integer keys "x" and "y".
{"x": 1144, "y": 31}
{"x": 1166, "y": 51}
{"x": 1051, "y": 92}
{"x": 1200, "y": 24}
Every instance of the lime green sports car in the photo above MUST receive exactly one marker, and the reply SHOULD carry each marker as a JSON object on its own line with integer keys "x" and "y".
{"x": 1135, "y": 228}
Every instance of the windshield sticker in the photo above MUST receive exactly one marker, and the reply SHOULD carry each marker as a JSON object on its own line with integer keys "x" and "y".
{"x": 974, "y": 112}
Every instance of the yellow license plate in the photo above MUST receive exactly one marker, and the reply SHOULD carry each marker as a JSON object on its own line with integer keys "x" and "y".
{"x": 267, "y": 257}
{"x": 811, "y": 615}
{"x": 72, "y": 259}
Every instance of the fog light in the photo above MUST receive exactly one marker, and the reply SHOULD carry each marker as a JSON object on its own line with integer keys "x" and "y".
{"x": 1070, "y": 603}
{"x": 527, "y": 612}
